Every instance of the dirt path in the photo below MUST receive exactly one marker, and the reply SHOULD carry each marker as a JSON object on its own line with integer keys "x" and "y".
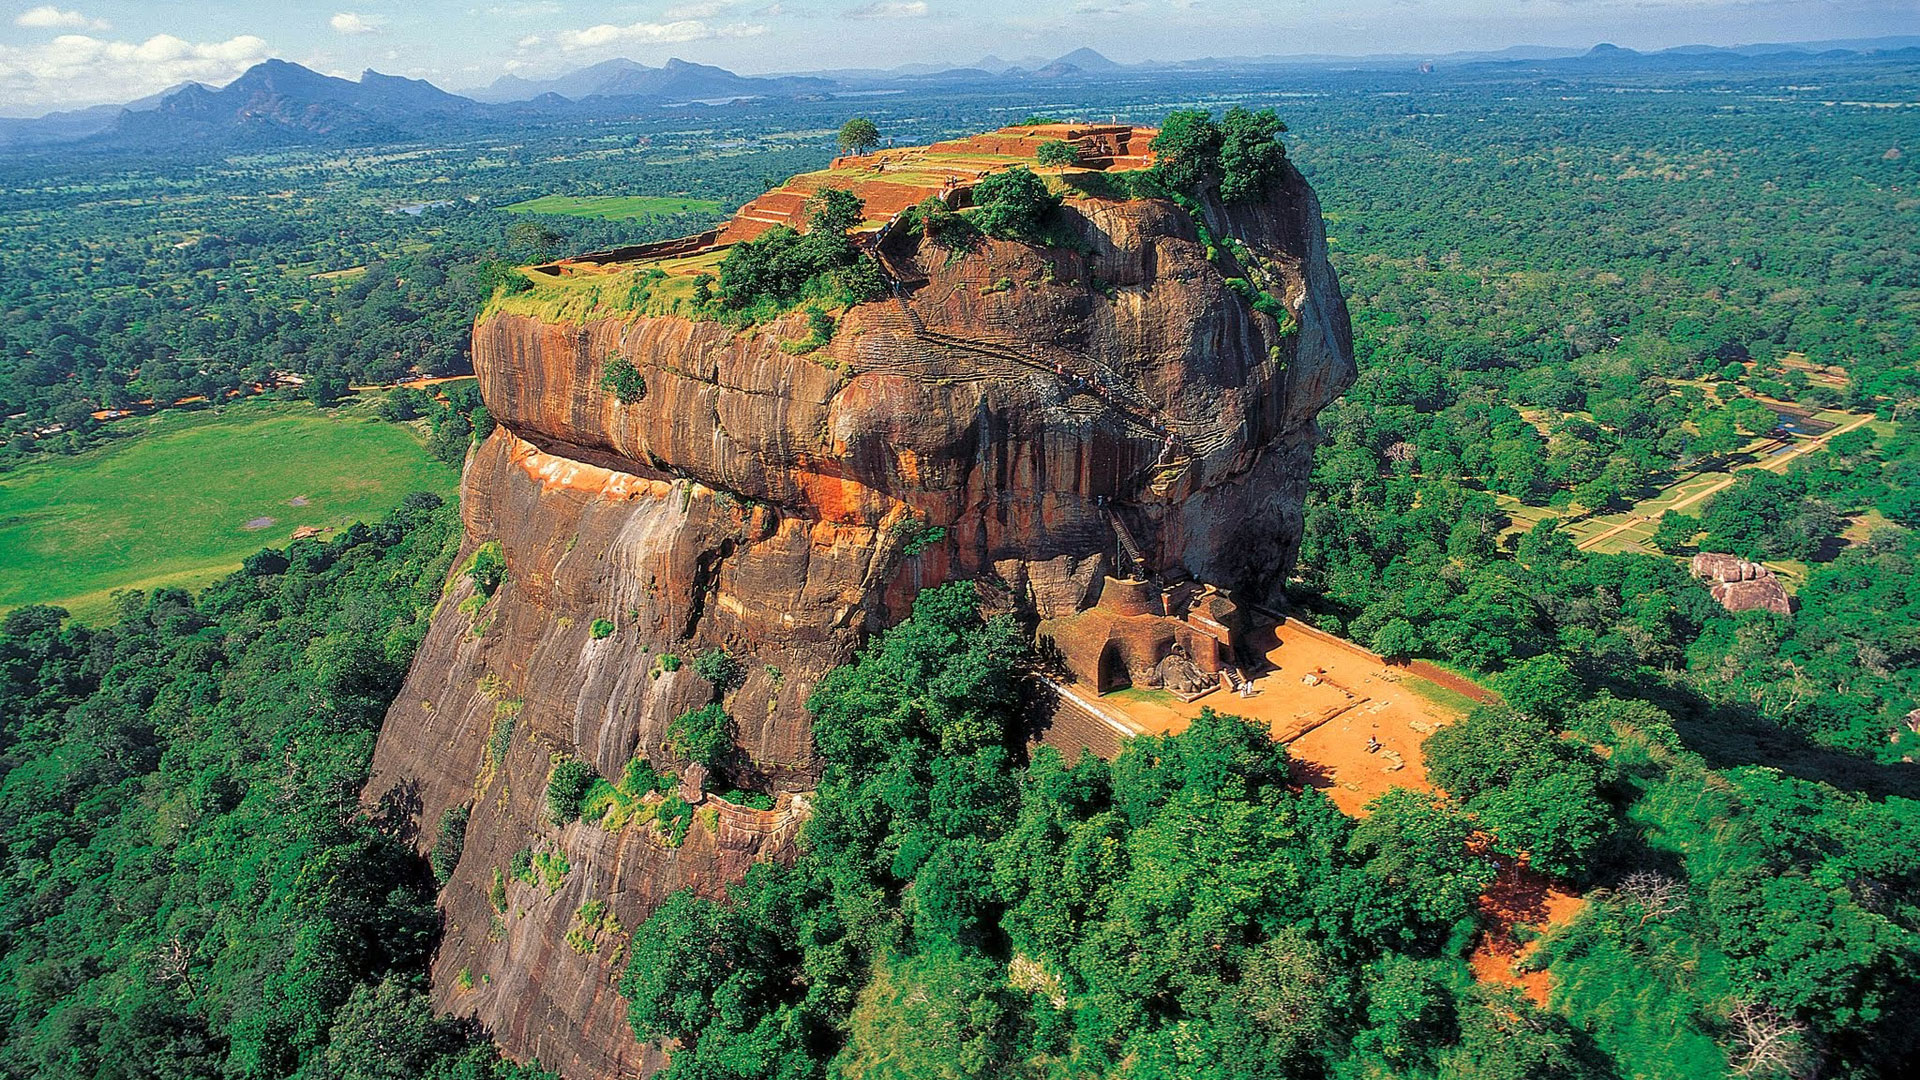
{"x": 410, "y": 384}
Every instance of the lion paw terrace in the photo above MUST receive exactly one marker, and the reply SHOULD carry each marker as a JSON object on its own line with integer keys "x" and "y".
{"x": 888, "y": 182}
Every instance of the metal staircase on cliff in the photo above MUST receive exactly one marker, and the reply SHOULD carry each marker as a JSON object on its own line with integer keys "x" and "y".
{"x": 1128, "y": 548}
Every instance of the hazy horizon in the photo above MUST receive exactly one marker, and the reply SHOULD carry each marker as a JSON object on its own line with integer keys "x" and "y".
{"x": 54, "y": 57}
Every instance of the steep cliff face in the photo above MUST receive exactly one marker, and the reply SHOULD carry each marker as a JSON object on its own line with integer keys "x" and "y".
{"x": 779, "y": 506}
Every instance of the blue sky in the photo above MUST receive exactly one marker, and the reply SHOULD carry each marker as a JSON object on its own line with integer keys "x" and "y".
{"x": 82, "y": 52}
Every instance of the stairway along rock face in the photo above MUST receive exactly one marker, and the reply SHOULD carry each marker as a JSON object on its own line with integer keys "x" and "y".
{"x": 987, "y": 424}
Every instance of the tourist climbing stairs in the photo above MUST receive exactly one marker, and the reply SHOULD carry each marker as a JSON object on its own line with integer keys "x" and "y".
{"x": 1166, "y": 476}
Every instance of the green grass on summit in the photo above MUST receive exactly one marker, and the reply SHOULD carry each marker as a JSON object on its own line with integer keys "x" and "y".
{"x": 612, "y": 207}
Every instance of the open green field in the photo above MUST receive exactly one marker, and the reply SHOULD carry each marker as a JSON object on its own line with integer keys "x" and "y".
{"x": 612, "y": 207}
{"x": 189, "y": 496}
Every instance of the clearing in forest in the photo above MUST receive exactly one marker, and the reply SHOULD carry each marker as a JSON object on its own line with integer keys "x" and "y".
{"x": 613, "y": 207}
{"x": 172, "y": 501}
{"x": 1519, "y": 909}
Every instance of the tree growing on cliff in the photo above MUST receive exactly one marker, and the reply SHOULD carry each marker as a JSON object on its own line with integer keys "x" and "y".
{"x": 567, "y": 787}
{"x": 623, "y": 380}
{"x": 1251, "y": 155}
{"x": 704, "y": 735}
{"x": 858, "y": 136}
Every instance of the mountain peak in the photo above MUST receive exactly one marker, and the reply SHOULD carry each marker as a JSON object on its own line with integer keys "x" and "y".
{"x": 1087, "y": 60}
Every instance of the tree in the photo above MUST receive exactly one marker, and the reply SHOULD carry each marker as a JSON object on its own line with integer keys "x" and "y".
{"x": 1752, "y": 417}
{"x": 1288, "y": 983}
{"x": 859, "y": 135}
{"x": 1251, "y": 155}
{"x": 781, "y": 267}
{"x": 1416, "y": 847}
{"x": 1538, "y": 792}
{"x": 1014, "y": 205}
{"x": 327, "y": 389}
{"x": 703, "y": 735}
{"x": 1187, "y": 150}
{"x": 534, "y": 241}
{"x": 1675, "y": 531}
{"x": 1058, "y": 154}
{"x": 1397, "y": 639}
{"x": 1717, "y": 435}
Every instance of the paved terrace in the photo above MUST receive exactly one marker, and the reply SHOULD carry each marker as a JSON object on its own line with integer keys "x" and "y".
{"x": 1352, "y": 722}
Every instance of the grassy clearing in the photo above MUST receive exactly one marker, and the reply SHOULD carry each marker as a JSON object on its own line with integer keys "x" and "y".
{"x": 1433, "y": 692}
{"x": 181, "y": 500}
{"x": 612, "y": 207}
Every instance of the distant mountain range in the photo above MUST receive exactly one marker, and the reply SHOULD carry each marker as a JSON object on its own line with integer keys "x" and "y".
{"x": 281, "y": 103}
{"x": 677, "y": 82}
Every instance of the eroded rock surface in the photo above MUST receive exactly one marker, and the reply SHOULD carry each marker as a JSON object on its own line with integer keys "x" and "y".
{"x": 780, "y": 506}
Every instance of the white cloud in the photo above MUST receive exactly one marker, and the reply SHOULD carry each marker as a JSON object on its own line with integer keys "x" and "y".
{"x": 75, "y": 69}
{"x": 348, "y": 22}
{"x": 48, "y": 17}
{"x": 644, "y": 33}
{"x": 699, "y": 9}
{"x": 890, "y": 9}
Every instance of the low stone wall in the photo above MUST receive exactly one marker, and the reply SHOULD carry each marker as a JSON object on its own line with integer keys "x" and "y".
{"x": 659, "y": 249}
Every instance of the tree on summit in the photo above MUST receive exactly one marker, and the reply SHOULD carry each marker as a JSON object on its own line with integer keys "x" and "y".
{"x": 1058, "y": 154}
{"x": 859, "y": 136}
{"x": 1239, "y": 155}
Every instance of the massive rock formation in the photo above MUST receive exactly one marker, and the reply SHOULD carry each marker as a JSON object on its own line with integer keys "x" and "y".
{"x": 781, "y": 506}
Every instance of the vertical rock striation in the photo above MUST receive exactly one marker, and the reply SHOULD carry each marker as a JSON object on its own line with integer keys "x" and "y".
{"x": 779, "y": 506}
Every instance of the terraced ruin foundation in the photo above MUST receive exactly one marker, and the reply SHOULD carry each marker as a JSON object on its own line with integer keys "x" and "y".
{"x": 888, "y": 182}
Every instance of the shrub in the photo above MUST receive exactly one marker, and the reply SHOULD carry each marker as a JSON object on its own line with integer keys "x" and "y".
{"x": 500, "y": 739}
{"x": 487, "y": 569}
{"x": 701, "y": 735}
{"x": 451, "y": 841}
{"x": 781, "y": 267}
{"x": 623, "y": 381}
{"x": 718, "y": 667}
{"x": 944, "y": 228}
{"x": 674, "y": 818}
{"x": 567, "y": 788}
{"x": 600, "y": 629}
{"x": 641, "y": 777}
